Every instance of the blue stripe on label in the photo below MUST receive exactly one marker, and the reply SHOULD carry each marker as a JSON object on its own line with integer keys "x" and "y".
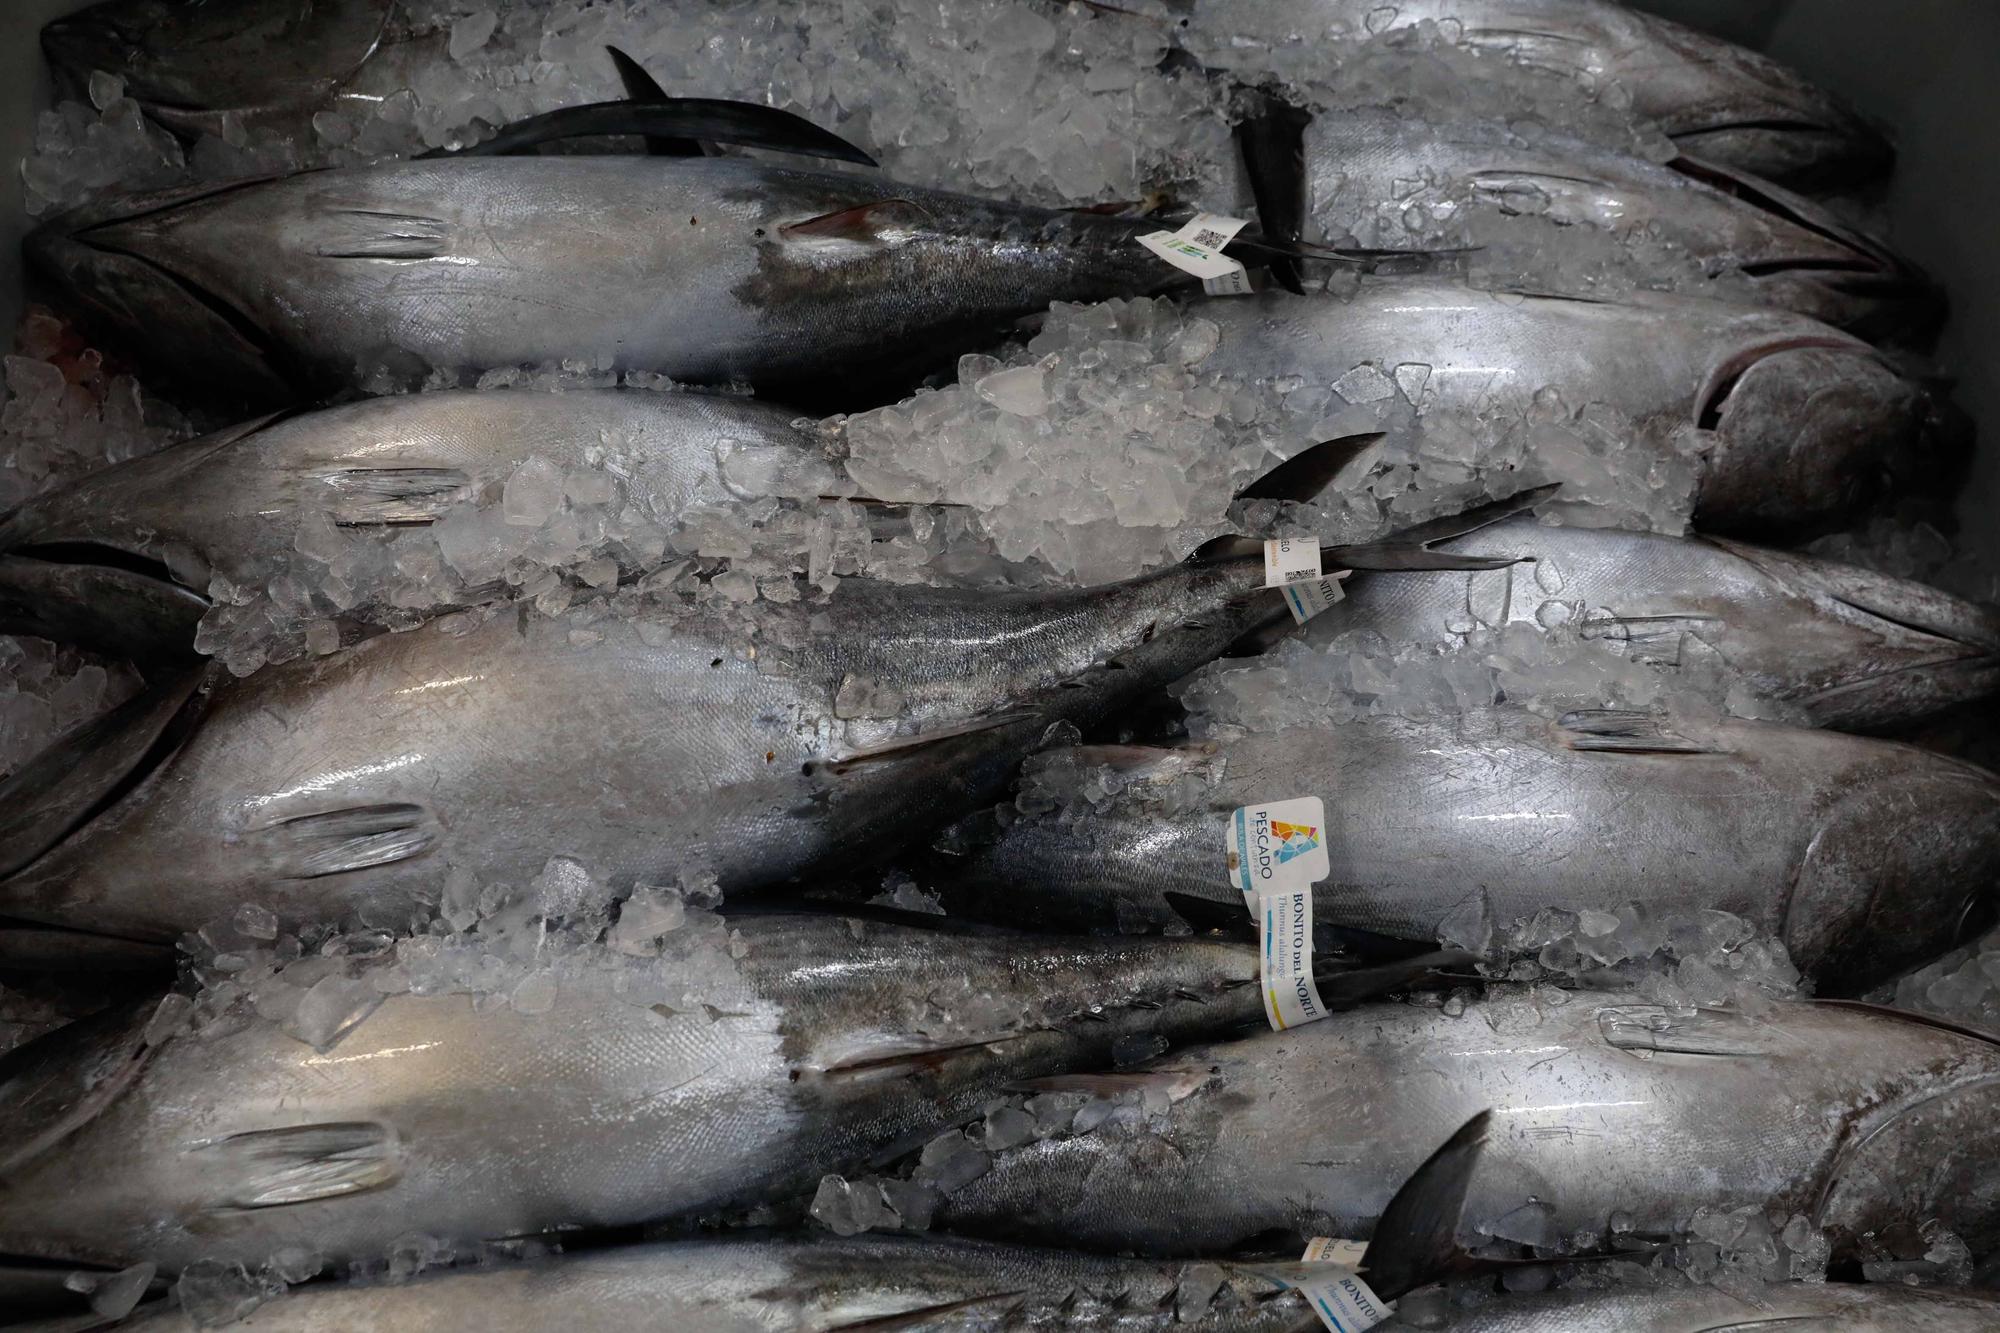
{"x": 1243, "y": 849}
{"x": 1332, "y": 1319}
{"x": 1292, "y": 600}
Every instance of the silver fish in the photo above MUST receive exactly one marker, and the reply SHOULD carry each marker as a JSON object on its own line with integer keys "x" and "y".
{"x": 1840, "y": 1306}
{"x": 1864, "y": 857}
{"x": 709, "y": 270}
{"x": 1794, "y": 422}
{"x": 1716, "y": 100}
{"x": 1856, "y": 649}
{"x": 1683, "y": 223}
{"x": 646, "y": 1089}
{"x": 234, "y": 502}
{"x": 1860, "y": 1119}
{"x": 790, "y": 1285}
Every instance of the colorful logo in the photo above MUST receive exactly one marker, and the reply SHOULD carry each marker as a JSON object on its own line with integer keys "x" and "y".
{"x": 1294, "y": 840}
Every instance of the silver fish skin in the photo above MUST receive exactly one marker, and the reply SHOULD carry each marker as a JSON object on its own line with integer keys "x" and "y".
{"x": 790, "y": 1285}
{"x": 830, "y": 1040}
{"x": 703, "y": 269}
{"x": 675, "y": 740}
{"x": 188, "y": 62}
{"x": 1860, "y": 1119}
{"x": 1865, "y": 857}
{"x": 233, "y": 502}
{"x": 1685, "y": 221}
{"x": 1856, "y": 649}
{"x": 1798, "y": 423}
{"x": 1840, "y": 1306}
{"x": 1716, "y": 100}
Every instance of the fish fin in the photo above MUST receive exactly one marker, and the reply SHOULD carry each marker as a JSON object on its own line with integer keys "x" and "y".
{"x": 1555, "y": 52}
{"x": 371, "y": 233}
{"x": 356, "y": 837}
{"x": 861, "y": 222}
{"x": 102, "y": 608}
{"x": 703, "y": 119}
{"x": 1416, "y": 1241}
{"x": 1905, "y": 603}
{"x": 1272, "y": 140}
{"x": 272, "y": 1168}
{"x": 90, "y": 767}
{"x": 1912, "y": 1016}
{"x": 643, "y": 89}
{"x": 1626, "y": 731}
{"x": 995, "y": 1304}
{"x": 1656, "y": 1027}
{"x": 1645, "y": 629}
{"x": 392, "y": 496}
{"x": 58, "y": 949}
{"x": 1301, "y": 479}
{"x": 53, "y": 1086}
{"x": 1410, "y": 548}
{"x": 1341, "y": 987}
{"x": 1174, "y": 1084}
{"x": 901, "y": 745}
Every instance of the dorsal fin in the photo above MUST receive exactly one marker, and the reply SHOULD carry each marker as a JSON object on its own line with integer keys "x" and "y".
{"x": 642, "y": 89}
{"x": 1914, "y": 1016}
{"x": 1273, "y": 144}
{"x": 707, "y": 119}
{"x": 1301, "y": 479}
{"x": 1416, "y": 1241}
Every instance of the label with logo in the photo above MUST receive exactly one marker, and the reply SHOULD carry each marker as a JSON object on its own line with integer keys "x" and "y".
{"x": 1340, "y": 1298}
{"x": 1276, "y": 853}
{"x": 1197, "y": 248}
{"x": 1290, "y": 560}
{"x": 1308, "y": 599}
{"x": 1332, "y": 1250}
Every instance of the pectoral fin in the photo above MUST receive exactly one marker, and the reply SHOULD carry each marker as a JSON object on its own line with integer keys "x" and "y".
{"x": 272, "y": 1168}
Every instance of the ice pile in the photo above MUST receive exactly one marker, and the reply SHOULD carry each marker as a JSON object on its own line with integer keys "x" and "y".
{"x": 1038, "y": 103}
{"x": 1963, "y": 986}
{"x": 1108, "y": 445}
{"x": 66, "y": 413}
{"x": 47, "y": 689}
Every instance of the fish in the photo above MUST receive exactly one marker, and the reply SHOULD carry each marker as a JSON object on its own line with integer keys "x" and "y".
{"x": 812, "y": 287}
{"x": 1714, "y": 99}
{"x": 676, "y": 738}
{"x": 1851, "y": 1307}
{"x": 1854, "y": 649}
{"x": 735, "y": 1069}
{"x": 1864, "y": 857}
{"x": 236, "y": 502}
{"x": 1684, "y": 224}
{"x": 1794, "y": 425}
{"x": 108, "y": 609}
{"x": 1862, "y": 1120}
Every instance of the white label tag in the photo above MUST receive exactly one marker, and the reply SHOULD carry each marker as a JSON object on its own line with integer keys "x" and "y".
{"x": 1285, "y": 941}
{"x": 1308, "y": 599}
{"x": 1277, "y": 846}
{"x": 1331, "y": 1250}
{"x": 1230, "y": 284}
{"x": 1290, "y": 560}
{"x": 1276, "y": 853}
{"x": 1342, "y": 1300}
{"x": 1197, "y": 248}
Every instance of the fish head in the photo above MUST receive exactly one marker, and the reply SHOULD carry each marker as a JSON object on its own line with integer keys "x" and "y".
{"x": 1803, "y": 430}
{"x": 96, "y": 264}
{"x": 178, "y": 57}
{"x": 1903, "y": 865}
{"x": 1725, "y": 102}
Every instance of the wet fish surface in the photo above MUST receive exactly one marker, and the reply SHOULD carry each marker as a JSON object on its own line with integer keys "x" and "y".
{"x": 707, "y": 270}
{"x": 645, "y": 1089}
{"x": 1864, "y": 857}
{"x": 1856, "y": 649}
{"x": 1849, "y": 1307}
{"x": 1794, "y": 424}
{"x": 1860, "y": 1119}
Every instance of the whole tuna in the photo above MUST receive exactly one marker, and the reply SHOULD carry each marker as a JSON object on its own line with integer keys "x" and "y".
{"x": 1864, "y": 857}
{"x": 1839, "y": 1306}
{"x": 242, "y": 502}
{"x": 1855, "y": 649}
{"x": 736, "y": 1067}
{"x": 1683, "y": 224}
{"x": 708, "y": 270}
{"x": 1862, "y": 1120}
{"x": 1792, "y": 423}
{"x": 1716, "y": 100}
{"x": 784, "y": 1284}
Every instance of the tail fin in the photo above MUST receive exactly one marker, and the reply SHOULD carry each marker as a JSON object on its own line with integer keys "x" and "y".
{"x": 1273, "y": 143}
{"x": 1342, "y": 987}
{"x": 1410, "y": 549}
{"x": 1303, "y": 478}
{"x": 1416, "y": 1242}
